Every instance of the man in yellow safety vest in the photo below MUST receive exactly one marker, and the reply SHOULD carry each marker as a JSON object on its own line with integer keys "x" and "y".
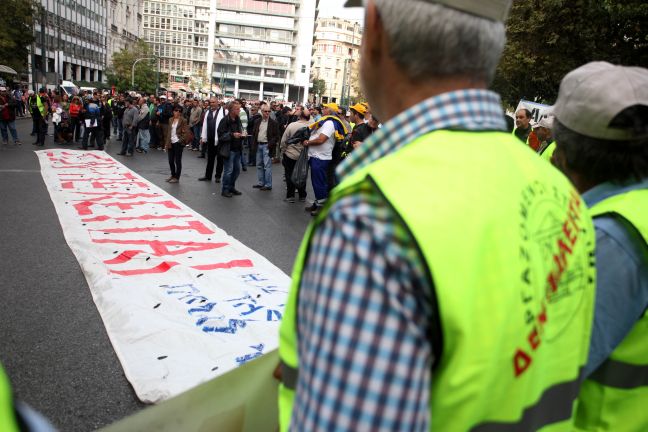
{"x": 601, "y": 134}
{"x": 447, "y": 283}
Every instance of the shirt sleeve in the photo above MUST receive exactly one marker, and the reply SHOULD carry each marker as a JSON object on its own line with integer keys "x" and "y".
{"x": 621, "y": 288}
{"x": 328, "y": 129}
{"x": 365, "y": 311}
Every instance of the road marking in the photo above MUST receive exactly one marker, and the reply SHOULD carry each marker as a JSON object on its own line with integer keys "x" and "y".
{"x": 18, "y": 171}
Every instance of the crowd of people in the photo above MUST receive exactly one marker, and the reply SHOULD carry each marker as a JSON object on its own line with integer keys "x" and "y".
{"x": 231, "y": 135}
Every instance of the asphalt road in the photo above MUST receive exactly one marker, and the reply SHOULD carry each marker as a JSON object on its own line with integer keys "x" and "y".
{"x": 53, "y": 344}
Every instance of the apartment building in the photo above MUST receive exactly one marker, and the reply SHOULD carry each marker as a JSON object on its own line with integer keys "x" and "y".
{"x": 70, "y": 42}
{"x": 245, "y": 48}
{"x": 124, "y": 23}
{"x": 336, "y": 56}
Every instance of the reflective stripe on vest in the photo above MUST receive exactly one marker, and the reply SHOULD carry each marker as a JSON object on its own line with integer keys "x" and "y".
{"x": 516, "y": 320}
{"x": 615, "y": 396}
{"x": 613, "y": 373}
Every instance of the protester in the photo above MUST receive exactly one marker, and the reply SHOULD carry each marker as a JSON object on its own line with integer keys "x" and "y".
{"x": 8, "y": 118}
{"x": 229, "y": 137}
{"x": 290, "y": 154}
{"x": 57, "y": 111}
{"x": 130, "y": 128}
{"x": 327, "y": 131}
{"x": 39, "y": 108}
{"x": 543, "y": 133}
{"x": 164, "y": 113}
{"x": 433, "y": 292}
{"x": 75, "y": 117}
{"x": 601, "y": 133}
{"x": 106, "y": 116}
{"x": 265, "y": 137}
{"x": 175, "y": 143}
{"x": 209, "y": 139}
{"x": 143, "y": 123}
{"x": 254, "y": 116}
{"x": 523, "y": 129}
{"x": 195, "y": 123}
{"x": 93, "y": 121}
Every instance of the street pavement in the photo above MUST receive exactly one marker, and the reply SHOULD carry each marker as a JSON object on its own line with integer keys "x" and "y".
{"x": 53, "y": 344}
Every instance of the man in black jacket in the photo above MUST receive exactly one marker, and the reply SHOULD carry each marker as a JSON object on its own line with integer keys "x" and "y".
{"x": 230, "y": 145}
{"x": 265, "y": 136}
{"x": 254, "y": 116}
{"x": 209, "y": 139}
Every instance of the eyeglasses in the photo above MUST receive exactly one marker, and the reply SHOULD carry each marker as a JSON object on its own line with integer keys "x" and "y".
{"x": 265, "y": 111}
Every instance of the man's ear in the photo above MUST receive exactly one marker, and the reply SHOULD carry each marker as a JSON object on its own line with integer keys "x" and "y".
{"x": 373, "y": 34}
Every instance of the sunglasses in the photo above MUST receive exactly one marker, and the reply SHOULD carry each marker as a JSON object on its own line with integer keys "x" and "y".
{"x": 266, "y": 111}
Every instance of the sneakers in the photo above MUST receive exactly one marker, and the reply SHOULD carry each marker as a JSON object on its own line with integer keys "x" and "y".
{"x": 290, "y": 200}
{"x": 174, "y": 180}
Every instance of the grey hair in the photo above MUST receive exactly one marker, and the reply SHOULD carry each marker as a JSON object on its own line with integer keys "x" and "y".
{"x": 429, "y": 39}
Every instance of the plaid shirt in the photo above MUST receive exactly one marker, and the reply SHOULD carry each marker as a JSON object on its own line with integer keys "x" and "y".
{"x": 365, "y": 305}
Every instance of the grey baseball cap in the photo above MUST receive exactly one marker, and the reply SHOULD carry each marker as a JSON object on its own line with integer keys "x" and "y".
{"x": 496, "y": 10}
{"x": 591, "y": 96}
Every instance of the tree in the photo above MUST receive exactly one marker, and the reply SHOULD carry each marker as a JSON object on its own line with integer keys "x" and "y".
{"x": 16, "y": 22}
{"x": 119, "y": 74}
{"x": 547, "y": 39}
{"x": 319, "y": 86}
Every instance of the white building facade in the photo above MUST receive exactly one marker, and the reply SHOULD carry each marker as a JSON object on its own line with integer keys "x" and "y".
{"x": 70, "y": 42}
{"x": 245, "y": 48}
{"x": 124, "y": 23}
{"x": 336, "y": 57}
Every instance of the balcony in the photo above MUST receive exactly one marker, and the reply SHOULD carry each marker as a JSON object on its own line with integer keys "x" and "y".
{"x": 259, "y": 11}
{"x": 247, "y": 36}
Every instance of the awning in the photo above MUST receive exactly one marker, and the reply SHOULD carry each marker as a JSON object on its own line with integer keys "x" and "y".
{"x": 7, "y": 69}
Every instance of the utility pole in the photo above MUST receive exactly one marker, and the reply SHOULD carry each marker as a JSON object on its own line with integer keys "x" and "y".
{"x": 43, "y": 26}
{"x": 344, "y": 81}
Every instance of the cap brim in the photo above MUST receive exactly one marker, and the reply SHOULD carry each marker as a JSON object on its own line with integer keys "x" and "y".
{"x": 353, "y": 3}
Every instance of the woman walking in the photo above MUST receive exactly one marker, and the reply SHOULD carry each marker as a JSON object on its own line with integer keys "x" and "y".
{"x": 175, "y": 142}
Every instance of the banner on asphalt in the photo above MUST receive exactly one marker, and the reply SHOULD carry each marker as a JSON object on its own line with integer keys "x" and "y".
{"x": 182, "y": 301}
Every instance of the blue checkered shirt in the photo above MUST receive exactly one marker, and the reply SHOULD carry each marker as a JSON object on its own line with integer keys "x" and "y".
{"x": 365, "y": 304}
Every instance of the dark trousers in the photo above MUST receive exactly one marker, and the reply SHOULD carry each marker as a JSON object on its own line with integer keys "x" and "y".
{"x": 319, "y": 177}
{"x": 95, "y": 136}
{"x": 41, "y": 130}
{"x": 212, "y": 155}
{"x": 175, "y": 159}
{"x": 289, "y": 167}
{"x": 128, "y": 141}
{"x": 76, "y": 127}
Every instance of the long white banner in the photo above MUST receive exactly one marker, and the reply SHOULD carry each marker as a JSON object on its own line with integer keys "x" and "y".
{"x": 182, "y": 301}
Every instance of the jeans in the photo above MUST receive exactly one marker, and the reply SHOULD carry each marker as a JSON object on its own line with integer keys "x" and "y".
{"x": 264, "y": 165}
{"x": 128, "y": 143}
{"x": 76, "y": 127}
{"x": 197, "y": 130}
{"x": 289, "y": 167}
{"x": 120, "y": 129}
{"x": 143, "y": 139}
{"x": 11, "y": 125}
{"x": 232, "y": 170}
{"x": 175, "y": 159}
{"x": 319, "y": 178}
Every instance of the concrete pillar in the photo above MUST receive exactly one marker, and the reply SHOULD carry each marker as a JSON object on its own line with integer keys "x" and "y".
{"x": 236, "y": 88}
{"x": 261, "y": 91}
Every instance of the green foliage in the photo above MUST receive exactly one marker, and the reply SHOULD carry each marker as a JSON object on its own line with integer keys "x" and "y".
{"x": 319, "y": 86}
{"x": 16, "y": 23}
{"x": 119, "y": 74}
{"x": 548, "y": 38}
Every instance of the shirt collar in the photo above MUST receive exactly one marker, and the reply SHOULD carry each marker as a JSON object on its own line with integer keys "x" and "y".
{"x": 467, "y": 110}
{"x": 606, "y": 190}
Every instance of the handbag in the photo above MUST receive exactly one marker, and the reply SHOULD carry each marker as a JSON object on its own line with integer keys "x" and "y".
{"x": 224, "y": 149}
{"x": 300, "y": 173}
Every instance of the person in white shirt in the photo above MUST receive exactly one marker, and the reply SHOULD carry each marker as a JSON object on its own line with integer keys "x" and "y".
{"x": 320, "y": 153}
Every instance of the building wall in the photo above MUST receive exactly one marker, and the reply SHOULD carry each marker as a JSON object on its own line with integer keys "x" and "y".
{"x": 72, "y": 36}
{"x": 251, "y": 48}
{"x": 336, "y": 51}
{"x": 124, "y": 23}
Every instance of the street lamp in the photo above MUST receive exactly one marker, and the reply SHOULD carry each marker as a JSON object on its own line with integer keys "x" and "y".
{"x": 133, "y": 69}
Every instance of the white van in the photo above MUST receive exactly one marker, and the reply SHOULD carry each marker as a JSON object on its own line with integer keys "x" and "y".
{"x": 69, "y": 88}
